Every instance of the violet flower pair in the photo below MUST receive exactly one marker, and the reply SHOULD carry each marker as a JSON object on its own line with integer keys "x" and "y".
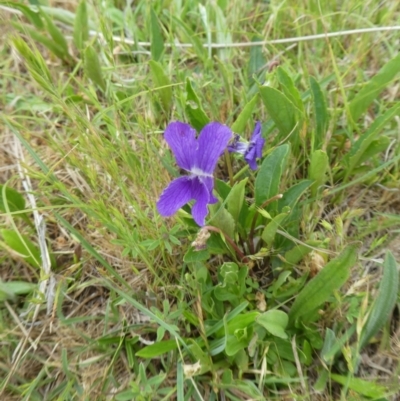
{"x": 199, "y": 157}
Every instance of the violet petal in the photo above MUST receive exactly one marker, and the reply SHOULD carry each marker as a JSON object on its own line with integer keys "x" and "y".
{"x": 202, "y": 196}
{"x": 177, "y": 194}
{"x": 213, "y": 140}
{"x": 181, "y": 138}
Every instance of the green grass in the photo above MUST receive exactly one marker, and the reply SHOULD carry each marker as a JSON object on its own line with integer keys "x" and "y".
{"x": 126, "y": 309}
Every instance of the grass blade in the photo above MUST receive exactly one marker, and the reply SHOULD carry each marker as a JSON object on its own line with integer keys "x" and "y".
{"x": 374, "y": 87}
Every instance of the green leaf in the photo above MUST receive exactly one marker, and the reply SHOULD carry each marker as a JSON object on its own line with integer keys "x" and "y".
{"x": 293, "y": 194}
{"x": 352, "y": 159}
{"x": 23, "y": 246}
{"x": 157, "y": 349}
{"x": 56, "y": 35}
{"x": 222, "y": 219}
{"x": 377, "y": 146}
{"x": 269, "y": 176}
{"x": 290, "y": 91}
{"x": 384, "y": 302}
{"x": 319, "y": 289}
{"x": 275, "y": 322}
{"x": 240, "y": 123}
{"x": 192, "y": 255}
{"x": 14, "y": 200}
{"x": 297, "y": 253}
{"x": 280, "y": 108}
{"x": 319, "y": 165}
{"x": 10, "y": 289}
{"x": 269, "y": 231}
{"x": 364, "y": 387}
{"x": 157, "y": 41}
{"x": 92, "y": 67}
{"x": 81, "y": 26}
{"x": 235, "y": 199}
{"x": 374, "y": 87}
{"x": 196, "y": 115}
{"x": 320, "y": 114}
{"x": 31, "y": 15}
{"x": 162, "y": 84}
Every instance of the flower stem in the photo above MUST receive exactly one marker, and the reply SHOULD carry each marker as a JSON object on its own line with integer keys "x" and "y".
{"x": 253, "y": 223}
{"x": 229, "y": 166}
{"x": 239, "y": 253}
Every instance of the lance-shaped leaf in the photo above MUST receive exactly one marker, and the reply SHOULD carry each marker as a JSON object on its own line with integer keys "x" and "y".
{"x": 269, "y": 176}
{"x": 384, "y": 302}
{"x": 320, "y": 288}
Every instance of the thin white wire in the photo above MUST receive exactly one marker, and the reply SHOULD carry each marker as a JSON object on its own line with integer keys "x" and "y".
{"x": 262, "y": 42}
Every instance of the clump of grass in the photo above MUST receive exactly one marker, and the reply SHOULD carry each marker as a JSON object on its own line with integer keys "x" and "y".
{"x": 126, "y": 309}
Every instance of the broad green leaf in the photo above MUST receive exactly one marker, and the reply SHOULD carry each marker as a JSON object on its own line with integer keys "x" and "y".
{"x": 157, "y": 41}
{"x": 241, "y": 321}
{"x": 162, "y": 84}
{"x": 56, "y": 35}
{"x": 280, "y": 108}
{"x": 192, "y": 255}
{"x": 297, "y": 253}
{"x": 352, "y": 159}
{"x": 81, "y": 26}
{"x": 157, "y": 349}
{"x": 385, "y": 300}
{"x": 222, "y": 219}
{"x": 196, "y": 115}
{"x": 319, "y": 165}
{"x": 332, "y": 345}
{"x": 23, "y": 246}
{"x": 377, "y": 146}
{"x": 320, "y": 114}
{"x": 293, "y": 194}
{"x": 364, "y": 387}
{"x": 275, "y": 322}
{"x": 374, "y": 87}
{"x": 269, "y": 176}
{"x": 10, "y": 289}
{"x": 240, "y": 123}
{"x": 222, "y": 188}
{"x": 93, "y": 68}
{"x": 14, "y": 200}
{"x": 235, "y": 199}
{"x": 319, "y": 288}
{"x": 270, "y": 229}
{"x": 290, "y": 91}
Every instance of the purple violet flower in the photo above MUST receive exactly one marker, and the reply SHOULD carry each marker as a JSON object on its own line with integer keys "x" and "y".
{"x": 251, "y": 150}
{"x": 198, "y": 156}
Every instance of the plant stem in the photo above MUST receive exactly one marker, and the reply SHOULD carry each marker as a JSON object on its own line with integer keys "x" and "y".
{"x": 239, "y": 253}
{"x": 229, "y": 166}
